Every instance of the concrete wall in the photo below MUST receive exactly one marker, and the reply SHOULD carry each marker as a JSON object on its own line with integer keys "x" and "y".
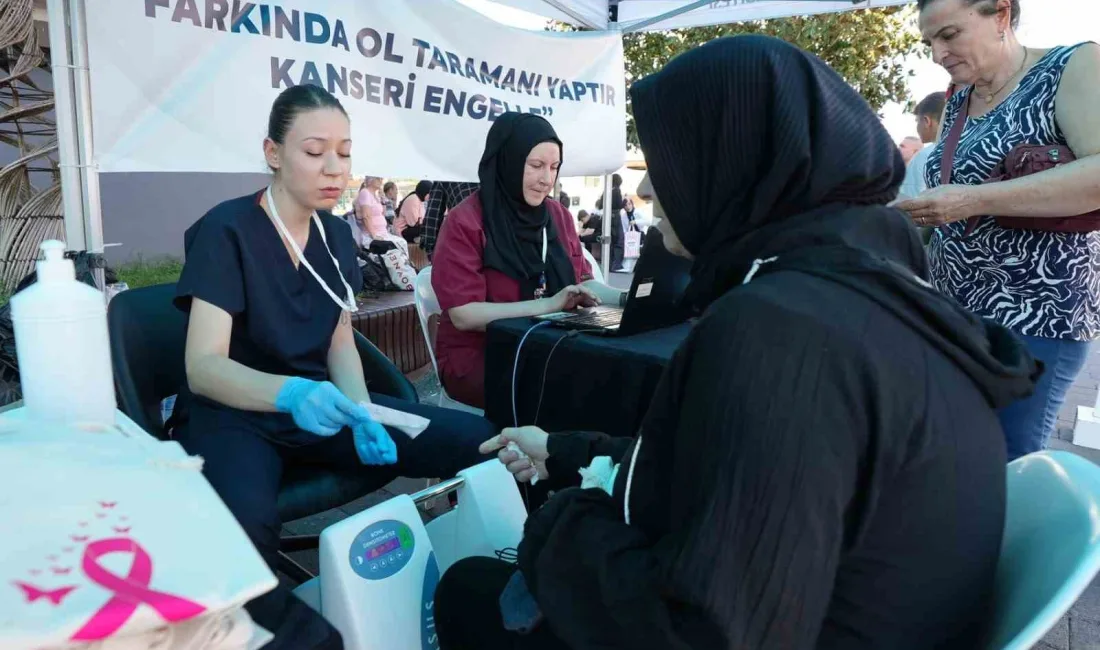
{"x": 148, "y": 213}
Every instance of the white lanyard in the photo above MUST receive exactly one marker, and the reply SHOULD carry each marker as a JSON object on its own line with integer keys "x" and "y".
{"x": 540, "y": 290}
{"x": 346, "y": 305}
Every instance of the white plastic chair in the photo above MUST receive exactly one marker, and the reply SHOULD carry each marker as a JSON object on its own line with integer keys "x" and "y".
{"x": 597, "y": 272}
{"x": 427, "y": 306}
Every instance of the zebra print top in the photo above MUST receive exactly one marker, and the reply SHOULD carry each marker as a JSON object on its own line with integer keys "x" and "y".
{"x": 1037, "y": 283}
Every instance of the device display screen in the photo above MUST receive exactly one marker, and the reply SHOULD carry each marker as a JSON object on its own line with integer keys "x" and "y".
{"x": 383, "y": 548}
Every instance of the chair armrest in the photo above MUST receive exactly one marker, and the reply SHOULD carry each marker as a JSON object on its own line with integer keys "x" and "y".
{"x": 381, "y": 374}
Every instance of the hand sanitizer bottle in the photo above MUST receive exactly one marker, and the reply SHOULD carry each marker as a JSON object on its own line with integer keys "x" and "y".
{"x": 62, "y": 346}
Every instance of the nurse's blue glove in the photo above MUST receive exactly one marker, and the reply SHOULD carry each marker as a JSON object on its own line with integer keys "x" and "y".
{"x": 373, "y": 443}
{"x": 318, "y": 406}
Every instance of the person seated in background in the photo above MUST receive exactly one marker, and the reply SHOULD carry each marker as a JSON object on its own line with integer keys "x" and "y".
{"x": 909, "y": 148}
{"x": 582, "y": 223}
{"x": 821, "y": 465}
{"x": 591, "y": 229}
{"x": 374, "y": 232}
{"x": 274, "y": 378}
{"x": 507, "y": 251}
{"x": 410, "y": 214}
{"x": 389, "y": 201}
{"x": 369, "y": 211}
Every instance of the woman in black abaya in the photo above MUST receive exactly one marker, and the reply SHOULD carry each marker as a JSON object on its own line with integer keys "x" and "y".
{"x": 821, "y": 465}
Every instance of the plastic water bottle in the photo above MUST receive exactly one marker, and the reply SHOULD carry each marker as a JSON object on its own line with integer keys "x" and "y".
{"x": 61, "y": 341}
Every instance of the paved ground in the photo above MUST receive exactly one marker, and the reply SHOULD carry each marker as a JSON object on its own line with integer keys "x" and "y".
{"x": 1079, "y": 630}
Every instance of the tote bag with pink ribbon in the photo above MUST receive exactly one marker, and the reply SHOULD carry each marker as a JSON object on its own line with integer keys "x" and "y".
{"x": 112, "y": 534}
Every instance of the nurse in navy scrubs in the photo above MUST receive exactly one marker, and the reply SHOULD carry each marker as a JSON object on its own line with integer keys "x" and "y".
{"x": 273, "y": 375}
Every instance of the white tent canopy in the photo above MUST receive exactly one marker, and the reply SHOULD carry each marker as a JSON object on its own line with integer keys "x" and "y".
{"x": 68, "y": 37}
{"x": 654, "y": 15}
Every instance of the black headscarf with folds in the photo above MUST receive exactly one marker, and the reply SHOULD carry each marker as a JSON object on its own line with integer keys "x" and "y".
{"x": 513, "y": 229}
{"x": 746, "y": 133}
{"x": 762, "y": 156}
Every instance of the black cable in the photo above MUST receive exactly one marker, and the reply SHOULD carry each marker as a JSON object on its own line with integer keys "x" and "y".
{"x": 509, "y": 555}
{"x": 515, "y": 367}
{"x": 546, "y": 368}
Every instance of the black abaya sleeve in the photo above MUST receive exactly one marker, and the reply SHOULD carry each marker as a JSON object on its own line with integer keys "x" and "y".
{"x": 741, "y": 500}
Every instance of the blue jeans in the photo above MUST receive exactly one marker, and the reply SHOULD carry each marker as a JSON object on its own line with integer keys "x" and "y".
{"x": 1028, "y": 423}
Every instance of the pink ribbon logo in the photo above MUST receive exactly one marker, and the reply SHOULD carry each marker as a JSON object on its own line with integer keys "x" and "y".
{"x": 129, "y": 591}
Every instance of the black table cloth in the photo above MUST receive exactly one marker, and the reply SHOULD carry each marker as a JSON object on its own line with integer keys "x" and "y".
{"x": 592, "y": 383}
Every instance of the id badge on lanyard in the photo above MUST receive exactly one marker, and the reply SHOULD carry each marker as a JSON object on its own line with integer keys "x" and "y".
{"x": 348, "y": 302}
{"x": 540, "y": 290}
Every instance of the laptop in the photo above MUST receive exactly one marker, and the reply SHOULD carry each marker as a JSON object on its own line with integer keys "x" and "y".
{"x": 655, "y": 300}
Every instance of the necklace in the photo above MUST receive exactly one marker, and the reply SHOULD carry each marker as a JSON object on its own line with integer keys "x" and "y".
{"x": 989, "y": 97}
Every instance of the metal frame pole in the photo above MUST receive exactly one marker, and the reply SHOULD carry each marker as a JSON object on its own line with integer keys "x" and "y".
{"x": 605, "y": 258}
{"x": 93, "y": 214}
{"x": 65, "y": 112}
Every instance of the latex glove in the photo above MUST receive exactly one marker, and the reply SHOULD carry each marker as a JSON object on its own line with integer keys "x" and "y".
{"x": 373, "y": 443}
{"x": 318, "y": 406}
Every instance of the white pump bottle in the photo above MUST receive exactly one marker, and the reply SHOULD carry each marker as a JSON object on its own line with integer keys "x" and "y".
{"x": 61, "y": 341}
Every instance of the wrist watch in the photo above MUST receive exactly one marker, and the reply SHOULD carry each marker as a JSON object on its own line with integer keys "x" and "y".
{"x": 622, "y": 298}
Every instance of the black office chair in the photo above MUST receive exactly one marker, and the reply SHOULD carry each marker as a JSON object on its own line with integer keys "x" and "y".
{"x": 147, "y": 342}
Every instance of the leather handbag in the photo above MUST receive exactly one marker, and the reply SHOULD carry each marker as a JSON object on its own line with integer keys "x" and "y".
{"x": 1022, "y": 160}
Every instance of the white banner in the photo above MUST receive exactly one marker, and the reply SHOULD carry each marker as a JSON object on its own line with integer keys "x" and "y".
{"x": 186, "y": 85}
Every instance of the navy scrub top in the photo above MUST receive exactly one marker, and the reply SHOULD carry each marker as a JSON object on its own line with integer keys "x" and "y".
{"x": 283, "y": 320}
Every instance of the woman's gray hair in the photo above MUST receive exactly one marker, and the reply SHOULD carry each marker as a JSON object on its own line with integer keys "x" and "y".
{"x": 985, "y": 8}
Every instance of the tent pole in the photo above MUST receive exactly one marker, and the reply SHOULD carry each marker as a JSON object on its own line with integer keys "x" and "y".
{"x": 605, "y": 257}
{"x": 65, "y": 113}
{"x": 653, "y": 20}
{"x": 93, "y": 216}
{"x": 605, "y": 247}
{"x": 572, "y": 13}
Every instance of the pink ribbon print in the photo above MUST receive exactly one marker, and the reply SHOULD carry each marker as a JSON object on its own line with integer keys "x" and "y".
{"x": 130, "y": 591}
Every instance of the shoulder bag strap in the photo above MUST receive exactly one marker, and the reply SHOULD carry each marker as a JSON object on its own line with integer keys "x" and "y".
{"x": 950, "y": 145}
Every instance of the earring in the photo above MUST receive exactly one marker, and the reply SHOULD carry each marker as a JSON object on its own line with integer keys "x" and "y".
{"x": 1003, "y": 37}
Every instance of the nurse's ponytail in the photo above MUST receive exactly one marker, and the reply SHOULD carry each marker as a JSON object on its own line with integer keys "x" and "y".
{"x": 294, "y": 101}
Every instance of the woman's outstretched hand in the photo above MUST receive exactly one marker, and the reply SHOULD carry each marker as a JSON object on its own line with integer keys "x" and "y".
{"x": 939, "y": 206}
{"x": 531, "y": 441}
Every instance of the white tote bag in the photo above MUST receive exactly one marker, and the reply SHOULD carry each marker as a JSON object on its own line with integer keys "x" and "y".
{"x": 400, "y": 270}
{"x": 112, "y": 534}
{"x": 632, "y": 245}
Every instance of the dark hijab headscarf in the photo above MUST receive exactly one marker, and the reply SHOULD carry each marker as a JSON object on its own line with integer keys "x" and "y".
{"x": 423, "y": 188}
{"x": 513, "y": 229}
{"x": 762, "y": 156}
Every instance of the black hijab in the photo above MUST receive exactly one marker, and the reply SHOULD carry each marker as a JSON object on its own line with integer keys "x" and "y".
{"x": 423, "y": 188}
{"x": 759, "y": 152}
{"x": 513, "y": 229}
